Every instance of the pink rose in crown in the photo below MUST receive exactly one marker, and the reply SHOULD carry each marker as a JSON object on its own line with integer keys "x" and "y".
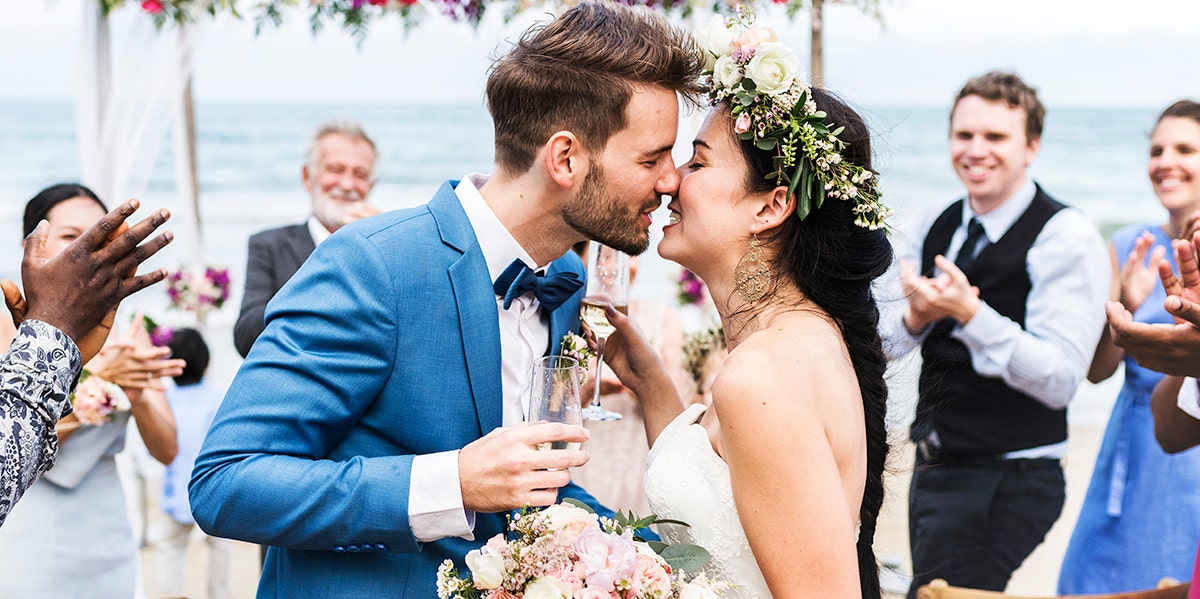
{"x": 743, "y": 123}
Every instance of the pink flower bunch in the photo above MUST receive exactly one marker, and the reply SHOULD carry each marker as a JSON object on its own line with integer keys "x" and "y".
{"x": 198, "y": 292}
{"x": 691, "y": 288}
{"x": 567, "y": 552}
{"x": 152, "y": 6}
{"x": 95, "y": 400}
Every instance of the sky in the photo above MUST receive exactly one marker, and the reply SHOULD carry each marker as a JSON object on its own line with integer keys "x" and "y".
{"x": 1076, "y": 52}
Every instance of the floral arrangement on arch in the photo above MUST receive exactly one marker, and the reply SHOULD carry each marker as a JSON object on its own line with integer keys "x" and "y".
{"x": 566, "y": 551}
{"x": 95, "y": 400}
{"x": 198, "y": 292}
{"x": 356, "y": 16}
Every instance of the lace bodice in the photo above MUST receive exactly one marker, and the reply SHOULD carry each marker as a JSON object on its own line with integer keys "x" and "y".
{"x": 686, "y": 480}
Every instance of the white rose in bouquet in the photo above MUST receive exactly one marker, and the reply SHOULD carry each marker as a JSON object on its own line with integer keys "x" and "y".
{"x": 487, "y": 567}
{"x": 547, "y": 588}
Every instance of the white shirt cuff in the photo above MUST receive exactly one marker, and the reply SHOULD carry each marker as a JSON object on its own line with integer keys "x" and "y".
{"x": 1189, "y": 397}
{"x": 435, "y": 509}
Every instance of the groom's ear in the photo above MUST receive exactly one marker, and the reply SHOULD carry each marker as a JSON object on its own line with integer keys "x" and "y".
{"x": 565, "y": 159}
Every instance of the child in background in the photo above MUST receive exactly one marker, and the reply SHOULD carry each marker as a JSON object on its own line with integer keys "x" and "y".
{"x": 194, "y": 403}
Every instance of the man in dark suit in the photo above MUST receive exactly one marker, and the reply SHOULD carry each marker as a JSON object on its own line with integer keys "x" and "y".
{"x": 1007, "y": 331}
{"x": 339, "y": 173}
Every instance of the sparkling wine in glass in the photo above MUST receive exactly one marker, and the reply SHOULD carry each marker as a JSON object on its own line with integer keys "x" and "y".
{"x": 554, "y": 395}
{"x": 607, "y": 283}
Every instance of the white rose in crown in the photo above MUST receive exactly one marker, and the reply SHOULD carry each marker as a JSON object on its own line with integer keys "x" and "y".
{"x": 727, "y": 72}
{"x": 487, "y": 567}
{"x": 773, "y": 68}
{"x": 714, "y": 39}
{"x": 547, "y": 588}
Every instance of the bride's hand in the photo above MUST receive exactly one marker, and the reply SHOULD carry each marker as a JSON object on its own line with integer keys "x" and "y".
{"x": 630, "y": 356}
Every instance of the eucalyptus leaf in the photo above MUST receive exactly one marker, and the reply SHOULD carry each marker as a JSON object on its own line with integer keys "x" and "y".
{"x": 579, "y": 504}
{"x": 687, "y": 558}
{"x": 838, "y": 131}
{"x": 767, "y": 143}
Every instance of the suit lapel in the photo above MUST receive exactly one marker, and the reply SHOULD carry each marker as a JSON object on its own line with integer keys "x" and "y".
{"x": 478, "y": 322}
{"x": 300, "y": 245}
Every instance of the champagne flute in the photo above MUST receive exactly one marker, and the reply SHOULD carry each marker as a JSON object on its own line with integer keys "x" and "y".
{"x": 607, "y": 283}
{"x": 554, "y": 395}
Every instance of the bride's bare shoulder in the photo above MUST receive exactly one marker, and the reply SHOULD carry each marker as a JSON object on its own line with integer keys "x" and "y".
{"x": 797, "y": 361}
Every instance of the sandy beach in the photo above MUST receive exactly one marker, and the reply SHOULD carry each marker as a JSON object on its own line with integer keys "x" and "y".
{"x": 1038, "y": 576}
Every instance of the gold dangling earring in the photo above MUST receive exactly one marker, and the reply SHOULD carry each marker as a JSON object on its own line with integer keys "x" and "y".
{"x": 751, "y": 276}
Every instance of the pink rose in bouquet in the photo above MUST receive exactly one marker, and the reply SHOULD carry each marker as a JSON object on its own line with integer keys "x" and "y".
{"x": 95, "y": 400}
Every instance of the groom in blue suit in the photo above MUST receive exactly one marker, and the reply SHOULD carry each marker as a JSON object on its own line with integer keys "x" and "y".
{"x": 376, "y": 427}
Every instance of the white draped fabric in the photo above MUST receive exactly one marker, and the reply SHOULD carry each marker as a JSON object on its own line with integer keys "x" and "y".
{"x": 132, "y": 79}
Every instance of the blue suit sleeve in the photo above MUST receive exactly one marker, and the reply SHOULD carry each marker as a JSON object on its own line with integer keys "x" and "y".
{"x": 270, "y": 470}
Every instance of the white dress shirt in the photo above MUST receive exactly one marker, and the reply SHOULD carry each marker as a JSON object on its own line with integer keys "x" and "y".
{"x": 318, "y": 231}
{"x": 435, "y": 508}
{"x": 1070, "y": 272}
{"x": 1189, "y": 398}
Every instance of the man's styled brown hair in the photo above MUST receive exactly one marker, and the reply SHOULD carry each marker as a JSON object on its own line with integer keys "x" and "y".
{"x": 578, "y": 72}
{"x": 998, "y": 85}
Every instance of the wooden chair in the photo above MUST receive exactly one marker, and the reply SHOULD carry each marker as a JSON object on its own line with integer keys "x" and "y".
{"x": 939, "y": 589}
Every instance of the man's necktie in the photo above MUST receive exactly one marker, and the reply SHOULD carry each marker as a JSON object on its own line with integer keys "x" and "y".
{"x": 518, "y": 279}
{"x": 966, "y": 253}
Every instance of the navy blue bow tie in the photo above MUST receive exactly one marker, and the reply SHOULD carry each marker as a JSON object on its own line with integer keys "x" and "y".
{"x": 518, "y": 279}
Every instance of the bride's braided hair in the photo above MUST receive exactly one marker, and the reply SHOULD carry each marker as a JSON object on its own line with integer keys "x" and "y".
{"x": 833, "y": 261}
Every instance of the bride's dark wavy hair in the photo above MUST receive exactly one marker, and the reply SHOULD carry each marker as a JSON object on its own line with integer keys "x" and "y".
{"x": 834, "y": 262}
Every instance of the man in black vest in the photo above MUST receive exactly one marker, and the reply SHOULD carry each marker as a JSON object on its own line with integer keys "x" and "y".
{"x": 1007, "y": 331}
{"x": 338, "y": 173}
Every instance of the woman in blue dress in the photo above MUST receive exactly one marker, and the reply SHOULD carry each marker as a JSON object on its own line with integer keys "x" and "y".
{"x": 1141, "y": 516}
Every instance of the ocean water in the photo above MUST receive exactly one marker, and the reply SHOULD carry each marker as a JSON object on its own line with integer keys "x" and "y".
{"x": 250, "y": 157}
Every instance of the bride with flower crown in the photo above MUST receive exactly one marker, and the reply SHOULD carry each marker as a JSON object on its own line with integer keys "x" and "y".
{"x": 777, "y": 210}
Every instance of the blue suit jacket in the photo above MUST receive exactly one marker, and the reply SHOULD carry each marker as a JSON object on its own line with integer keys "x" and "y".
{"x": 385, "y": 345}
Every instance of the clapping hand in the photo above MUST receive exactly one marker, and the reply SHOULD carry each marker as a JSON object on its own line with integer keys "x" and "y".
{"x": 1138, "y": 279}
{"x": 78, "y": 290}
{"x": 948, "y": 295}
{"x": 1170, "y": 349}
{"x": 132, "y": 362}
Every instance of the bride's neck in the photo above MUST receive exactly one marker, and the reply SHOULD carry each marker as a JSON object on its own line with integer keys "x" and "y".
{"x": 741, "y": 319}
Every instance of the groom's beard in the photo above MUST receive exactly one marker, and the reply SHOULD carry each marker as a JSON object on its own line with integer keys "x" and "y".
{"x": 597, "y": 214}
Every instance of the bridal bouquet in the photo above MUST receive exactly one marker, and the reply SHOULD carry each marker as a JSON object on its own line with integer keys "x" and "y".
{"x": 566, "y": 551}
{"x": 95, "y": 400}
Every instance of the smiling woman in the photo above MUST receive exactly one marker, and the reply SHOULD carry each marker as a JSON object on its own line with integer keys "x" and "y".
{"x": 1139, "y": 493}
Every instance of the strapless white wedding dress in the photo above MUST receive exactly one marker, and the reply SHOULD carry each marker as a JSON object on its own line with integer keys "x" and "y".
{"x": 686, "y": 480}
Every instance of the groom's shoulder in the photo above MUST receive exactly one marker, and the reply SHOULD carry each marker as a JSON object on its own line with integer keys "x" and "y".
{"x": 405, "y": 226}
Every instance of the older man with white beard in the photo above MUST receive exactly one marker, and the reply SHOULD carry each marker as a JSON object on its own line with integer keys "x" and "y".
{"x": 339, "y": 173}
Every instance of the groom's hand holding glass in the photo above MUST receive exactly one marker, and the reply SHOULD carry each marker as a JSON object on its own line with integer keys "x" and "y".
{"x": 505, "y": 471}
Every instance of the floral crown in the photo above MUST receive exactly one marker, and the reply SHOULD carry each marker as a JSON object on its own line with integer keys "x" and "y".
{"x": 748, "y": 67}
